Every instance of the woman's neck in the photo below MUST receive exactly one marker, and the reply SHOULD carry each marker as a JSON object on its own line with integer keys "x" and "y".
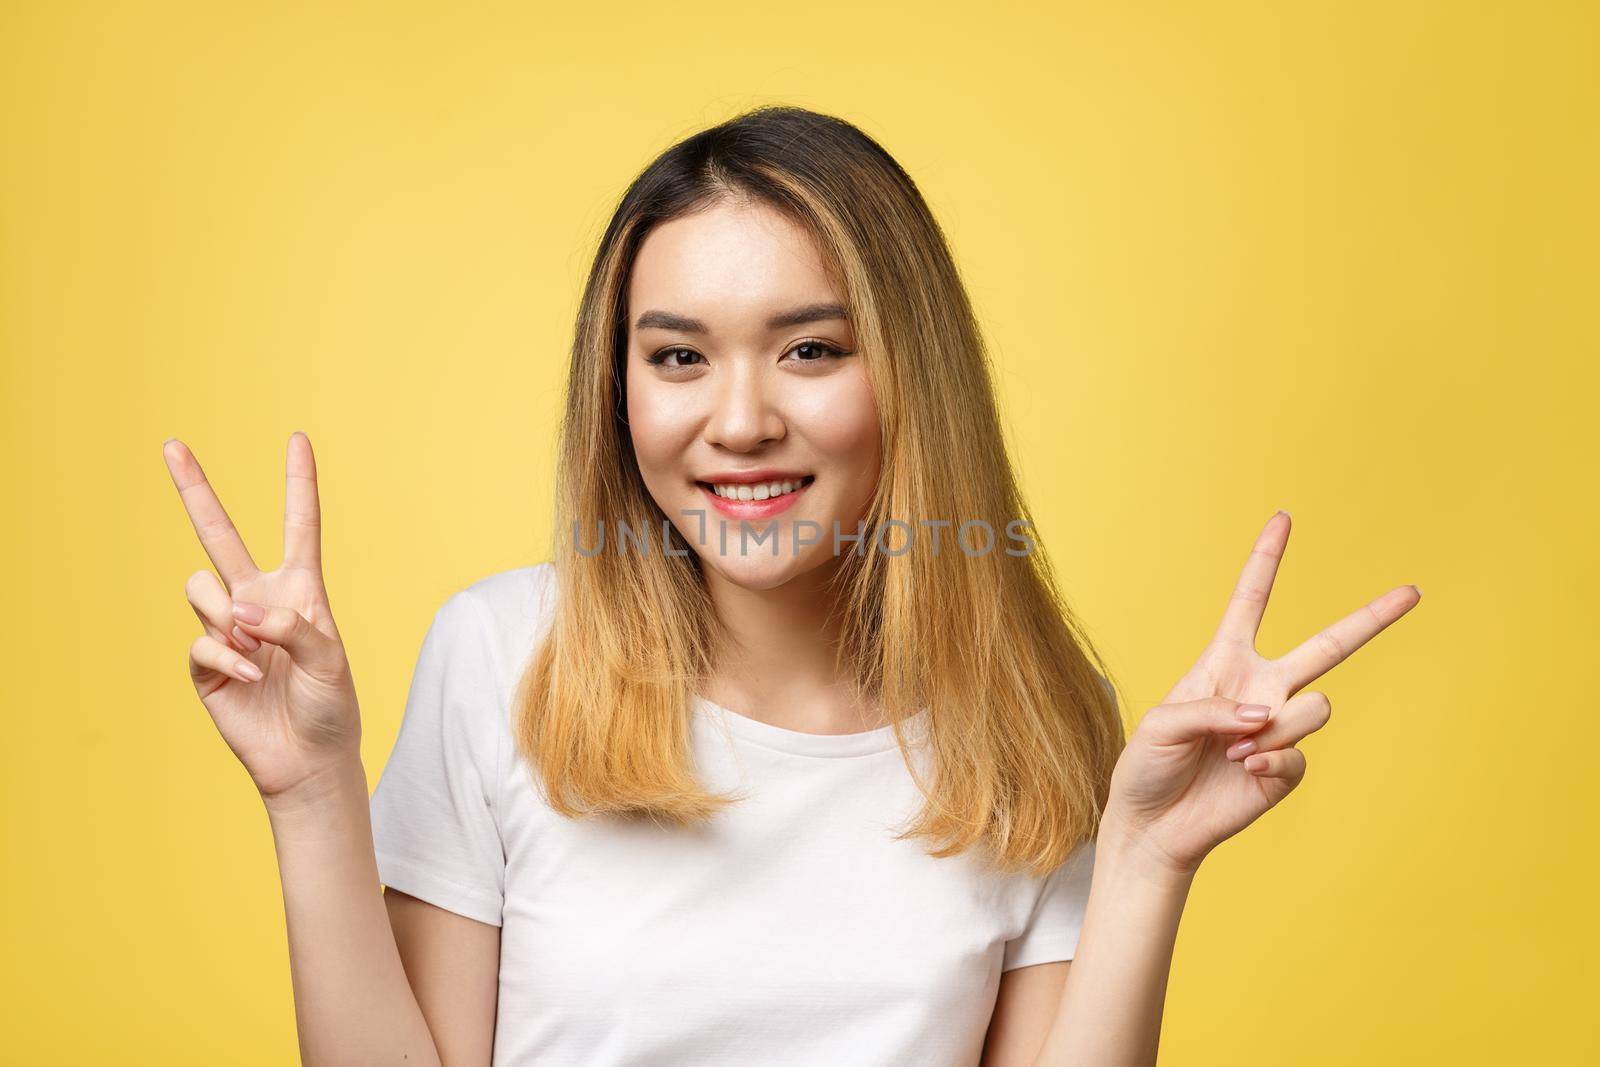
{"x": 778, "y": 665}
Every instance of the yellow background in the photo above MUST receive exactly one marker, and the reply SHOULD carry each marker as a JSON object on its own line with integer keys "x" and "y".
{"x": 1336, "y": 257}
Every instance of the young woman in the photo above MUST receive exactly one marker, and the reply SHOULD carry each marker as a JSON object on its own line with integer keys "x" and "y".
{"x": 792, "y": 754}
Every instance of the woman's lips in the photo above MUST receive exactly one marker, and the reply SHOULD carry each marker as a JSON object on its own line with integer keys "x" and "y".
{"x": 754, "y": 509}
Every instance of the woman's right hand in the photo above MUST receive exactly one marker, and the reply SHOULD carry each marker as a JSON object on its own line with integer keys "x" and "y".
{"x": 270, "y": 667}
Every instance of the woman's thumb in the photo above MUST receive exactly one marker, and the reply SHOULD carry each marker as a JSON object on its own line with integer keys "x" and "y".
{"x": 1173, "y": 724}
{"x": 290, "y": 631}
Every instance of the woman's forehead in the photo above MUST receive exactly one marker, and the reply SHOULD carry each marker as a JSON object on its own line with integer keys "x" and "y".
{"x": 729, "y": 262}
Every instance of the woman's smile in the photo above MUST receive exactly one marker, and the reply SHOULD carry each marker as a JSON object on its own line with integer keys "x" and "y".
{"x": 757, "y": 495}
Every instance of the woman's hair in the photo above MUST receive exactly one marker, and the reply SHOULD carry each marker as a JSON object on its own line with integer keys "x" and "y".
{"x": 1022, "y": 730}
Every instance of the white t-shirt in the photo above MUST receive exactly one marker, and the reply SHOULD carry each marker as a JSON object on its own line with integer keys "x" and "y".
{"x": 792, "y": 930}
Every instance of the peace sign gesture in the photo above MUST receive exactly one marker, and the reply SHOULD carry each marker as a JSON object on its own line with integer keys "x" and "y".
{"x": 1220, "y": 749}
{"x": 270, "y": 667}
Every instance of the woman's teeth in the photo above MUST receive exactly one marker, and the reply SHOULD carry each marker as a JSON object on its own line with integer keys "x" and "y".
{"x": 755, "y": 492}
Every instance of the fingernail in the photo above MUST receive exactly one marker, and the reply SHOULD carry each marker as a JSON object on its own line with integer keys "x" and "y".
{"x": 249, "y": 670}
{"x": 248, "y": 643}
{"x": 1419, "y": 591}
{"x": 247, "y": 612}
{"x": 1257, "y": 762}
{"x": 1243, "y": 748}
{"x": 1254, "y": 712}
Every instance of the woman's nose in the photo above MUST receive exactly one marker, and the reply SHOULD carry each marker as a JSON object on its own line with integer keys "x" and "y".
{"x": 744, "y": 415}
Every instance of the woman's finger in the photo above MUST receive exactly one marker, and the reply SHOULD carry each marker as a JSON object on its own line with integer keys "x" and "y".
{"x": 244, "y": 640}
{"x": 208, "y": 655}
{"x": 1179, "y": 723}
{"x": 1324, "y": 651}
{"x": 1300, "y": 716}
{"x": 214, "y": 608}
{"x": 302, "y": 511}
{"x": 291, "y": 631}
{"x": 1241, "y": 621}
{"x": 211, "y": 523}
{"x": 1286, "y": 764}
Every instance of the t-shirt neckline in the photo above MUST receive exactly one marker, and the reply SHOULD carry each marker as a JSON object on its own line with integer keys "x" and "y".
{"x": 801, "y": 743}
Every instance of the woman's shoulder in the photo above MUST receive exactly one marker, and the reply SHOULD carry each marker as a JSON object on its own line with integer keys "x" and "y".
{"x": 517, "y": 593}
{"x": 514, "y": 608}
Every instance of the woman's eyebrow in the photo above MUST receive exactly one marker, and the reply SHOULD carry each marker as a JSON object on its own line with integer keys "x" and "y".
{"x": 666, "y": 320}
{"x": 809, "y": 313}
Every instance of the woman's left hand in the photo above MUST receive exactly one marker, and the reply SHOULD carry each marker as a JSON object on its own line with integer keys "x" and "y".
{"x": 1195, "y": 772}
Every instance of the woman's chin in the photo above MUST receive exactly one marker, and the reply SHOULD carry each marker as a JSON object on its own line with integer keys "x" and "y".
{"x": 759, "y": 570}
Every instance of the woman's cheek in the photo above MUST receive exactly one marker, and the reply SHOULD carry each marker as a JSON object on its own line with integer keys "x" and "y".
{"x": 655, "y": 426}
{"x": 843, "y": 426}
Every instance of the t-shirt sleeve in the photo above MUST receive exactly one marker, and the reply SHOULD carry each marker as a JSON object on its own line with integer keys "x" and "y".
{"x": 434, "y": 825}
{"x": 1057, "y": 919}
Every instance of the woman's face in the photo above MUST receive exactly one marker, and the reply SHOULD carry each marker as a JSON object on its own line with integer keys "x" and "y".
{"x": 751, "y": 415}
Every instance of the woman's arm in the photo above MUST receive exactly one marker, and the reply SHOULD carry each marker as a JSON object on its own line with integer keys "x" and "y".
{"x": 271, "y": 670}
{"x": 453, "y": 963}
{"x": 1215, "y": 756}
{"x": 1110, "y": 1012}
{"x": 1212, "y": 759}
{"x": 353, "y": 1003}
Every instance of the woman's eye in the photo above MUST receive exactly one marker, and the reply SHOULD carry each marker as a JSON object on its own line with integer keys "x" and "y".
{"x": 675, "y": 357}
{"x": 816, "y": 351}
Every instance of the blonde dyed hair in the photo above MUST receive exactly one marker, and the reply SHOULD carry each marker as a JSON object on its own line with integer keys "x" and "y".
{"x": 1022, "y": 726}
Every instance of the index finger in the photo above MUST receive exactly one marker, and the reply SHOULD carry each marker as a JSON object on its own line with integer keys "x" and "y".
{"x": 1241, "y": 621}
{"x": 211, "y": 523}
{"x": 302, "y": 512}
{"x": 1322, "y": 652}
